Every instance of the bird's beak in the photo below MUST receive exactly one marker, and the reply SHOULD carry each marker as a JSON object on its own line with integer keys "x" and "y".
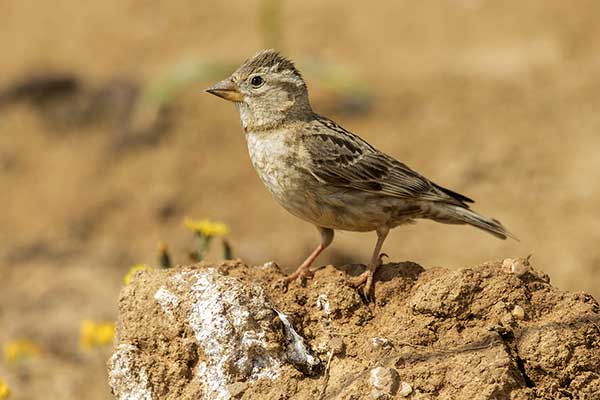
{"x": 227, "y": 90}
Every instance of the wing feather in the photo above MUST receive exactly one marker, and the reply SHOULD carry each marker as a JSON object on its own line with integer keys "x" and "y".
{"x": 341, "y": 158}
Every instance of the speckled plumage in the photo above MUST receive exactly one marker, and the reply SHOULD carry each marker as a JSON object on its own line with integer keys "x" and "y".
{"x": 301, "y": 176}
{"x": 326, "y": 175}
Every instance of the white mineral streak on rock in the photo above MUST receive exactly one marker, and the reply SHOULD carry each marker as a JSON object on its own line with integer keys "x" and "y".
{"x": 228, "y": 319}
{"x": 128, "y": 380}
{"x": 167, "y": 300}
{"x": 180, "y": 278}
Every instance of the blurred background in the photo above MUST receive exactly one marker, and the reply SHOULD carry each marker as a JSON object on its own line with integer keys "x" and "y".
{"x": 107, "y": 142}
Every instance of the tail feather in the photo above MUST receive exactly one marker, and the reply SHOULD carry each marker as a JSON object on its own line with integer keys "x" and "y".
{"x": 455, "y": 195}
{"x": 490, "y": 225}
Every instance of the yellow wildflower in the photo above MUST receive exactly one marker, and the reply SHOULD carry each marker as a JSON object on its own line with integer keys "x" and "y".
{"x": 4, "y": 391}
{"x": 20, "y": 349}
{"x": 133, "y": 270}
{"x": 95, "y": 334}
{"x": 206, "y": 227}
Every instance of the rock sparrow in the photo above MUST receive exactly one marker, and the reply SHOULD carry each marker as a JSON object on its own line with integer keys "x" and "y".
{"x": 326, "y": 175}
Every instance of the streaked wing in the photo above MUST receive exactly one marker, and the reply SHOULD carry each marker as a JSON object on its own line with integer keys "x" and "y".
{"x": 342, "y": 159}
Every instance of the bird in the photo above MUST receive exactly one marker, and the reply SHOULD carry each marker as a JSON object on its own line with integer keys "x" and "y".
{"x": 327, "y": 175}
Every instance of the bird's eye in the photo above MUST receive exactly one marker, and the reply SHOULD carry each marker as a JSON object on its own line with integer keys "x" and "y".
{"x": 257, "y": 81}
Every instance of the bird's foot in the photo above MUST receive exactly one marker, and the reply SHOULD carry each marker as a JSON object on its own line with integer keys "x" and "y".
{"x": 301, "y": 275}
{"x": 280, "y": 284}
{"x": 367, "y": 278}
{"x": 359, "y": 280}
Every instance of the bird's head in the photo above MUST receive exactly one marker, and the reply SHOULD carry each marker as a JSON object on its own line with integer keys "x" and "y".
{"x": 268, "y": 90}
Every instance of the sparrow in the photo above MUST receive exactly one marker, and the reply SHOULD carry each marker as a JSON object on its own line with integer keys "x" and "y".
{"x": 327, "y": 175}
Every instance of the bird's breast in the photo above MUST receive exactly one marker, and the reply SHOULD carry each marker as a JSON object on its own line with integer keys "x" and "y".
{"x": 278, "y": 160}
{"x": 275, "y": 157}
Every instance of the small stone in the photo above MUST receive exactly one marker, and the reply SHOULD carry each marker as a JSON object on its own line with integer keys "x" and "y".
{"x": 405, "y": 389}
{"x": 380, "y": 343}
{"x": 518, "y": 312}
{"x": 385, "y": 379}
{"x": 517, "y": 266}
{"x": 269, "y": 265}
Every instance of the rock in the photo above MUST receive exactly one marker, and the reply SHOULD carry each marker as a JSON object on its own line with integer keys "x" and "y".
{"x": 405, "y": 389}
{"x": 385, "y": 379}
{"x": 448, "y": 295}
{"x": 195, "y": 318}
{"x": 518, "y": 312}
{"x": 380, "y": 343}
{"x": 128, "y": 375}
{"x": 222, "y": 331}
{"x": 297, "y": 352}
{"x": 517, "y": 266}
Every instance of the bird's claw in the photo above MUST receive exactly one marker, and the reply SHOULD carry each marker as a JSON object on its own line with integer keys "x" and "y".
{"x": 368, "y": 289}
{"x": 280, "y": 284}
{"x": 359, "y": 280}
{"x": 302, "y": 275}
{"x": 366, "y": 279}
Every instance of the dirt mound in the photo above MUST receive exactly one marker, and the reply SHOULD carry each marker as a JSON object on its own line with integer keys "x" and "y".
{"x": 498, "y": 330}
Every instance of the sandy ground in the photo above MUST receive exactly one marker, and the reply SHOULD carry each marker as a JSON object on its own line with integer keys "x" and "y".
{"x": 498, "y": 101}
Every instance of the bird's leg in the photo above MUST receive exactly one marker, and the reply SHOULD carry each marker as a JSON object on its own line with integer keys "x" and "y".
{"x": 303, "y": 270}
{"x": 367, "y": 276}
